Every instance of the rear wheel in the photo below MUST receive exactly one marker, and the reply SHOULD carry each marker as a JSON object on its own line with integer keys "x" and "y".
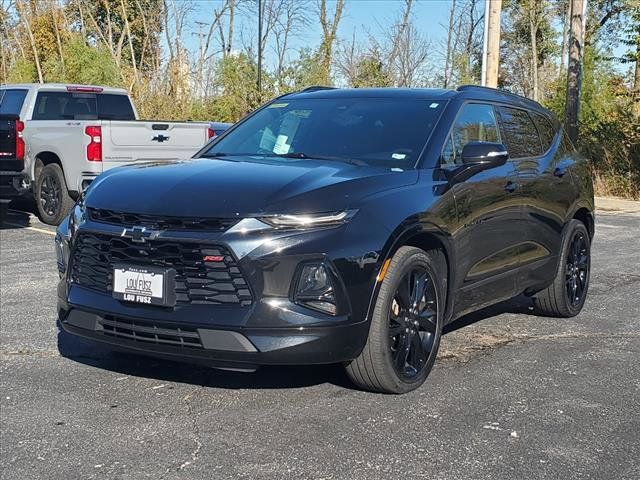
{"x": 52, "y": 197}
{"x": 566, "y": 295}
{"x": 406, "y": 325}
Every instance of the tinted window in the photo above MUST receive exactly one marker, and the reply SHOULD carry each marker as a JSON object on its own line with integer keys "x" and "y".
{"x": 114, "y": 107}
{"x": 82, "y": 106}
{"x": 65, "y": 106}
{"x": 520, "y": 133}
{"x": 545, "y": 129}
{"x": 368, "y": 131}
{"x": 11, "y": 101}
{"x": 475, "y": 123}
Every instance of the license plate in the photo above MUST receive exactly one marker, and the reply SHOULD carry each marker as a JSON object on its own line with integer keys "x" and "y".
{"x": 141, "y": 285}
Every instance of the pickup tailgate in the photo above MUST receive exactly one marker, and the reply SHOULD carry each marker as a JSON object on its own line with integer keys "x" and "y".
{"x": 134, "y": 141}
{"x": 9, "y": 162}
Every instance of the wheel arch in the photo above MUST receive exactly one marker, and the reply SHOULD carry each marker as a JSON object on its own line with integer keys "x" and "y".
{"x": 584, "y": 215}
{"x": 426, "y": 236}
{"x": 43, "y": 159}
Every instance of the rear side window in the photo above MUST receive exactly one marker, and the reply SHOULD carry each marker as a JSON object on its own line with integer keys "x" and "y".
{"x": 475, "y": 123}
{"x": 114, "y": 107}
{"x": 82, "y": 106}
{"x": 545, "y": 129}
{"x": 11, "y": 101}
{"x": 521, "y": 136}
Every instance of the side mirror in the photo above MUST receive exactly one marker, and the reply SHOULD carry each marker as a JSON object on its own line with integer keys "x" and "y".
{"x": 485, "y": 154}
{"x": 478, "y": 156}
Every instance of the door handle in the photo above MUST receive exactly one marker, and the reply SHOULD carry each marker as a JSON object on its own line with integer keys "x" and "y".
{"x": 511, "y": 187}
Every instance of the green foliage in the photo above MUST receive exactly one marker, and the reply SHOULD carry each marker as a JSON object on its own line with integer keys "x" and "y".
{"x": 609, "y": 130}
{"x": 305, "y": 71}
{"x": 83, "y": 64}
{"x": 371, "y": 73}
{"x": 237, "y": 77}
{"x": 23, "y": 71}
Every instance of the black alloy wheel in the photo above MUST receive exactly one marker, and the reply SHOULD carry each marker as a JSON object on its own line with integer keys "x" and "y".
{"x": 412, "y": 323}
{"x": 565, "y": 297}
{"x": 577, "y": 272}
{"x": 406, "y": 323}
{"x": 50, "y": 194}
{"x": 52, "y": 198}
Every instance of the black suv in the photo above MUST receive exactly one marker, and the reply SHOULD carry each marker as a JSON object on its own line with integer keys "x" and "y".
{"x": 333, "y": 226}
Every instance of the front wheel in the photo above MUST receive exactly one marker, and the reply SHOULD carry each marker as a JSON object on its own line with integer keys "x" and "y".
{"x": 565, "y": 297}
{"x": 52, "y": 198}
{"x": 406, "y": 324}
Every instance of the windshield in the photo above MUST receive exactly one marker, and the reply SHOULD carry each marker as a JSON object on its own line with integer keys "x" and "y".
{"x": 381, "y": 132}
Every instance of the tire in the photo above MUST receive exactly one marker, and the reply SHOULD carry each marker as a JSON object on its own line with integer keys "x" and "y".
{"x": 377, "y": 368}
{"x": 52, "y": 197}
{"x": 560, "y": 299}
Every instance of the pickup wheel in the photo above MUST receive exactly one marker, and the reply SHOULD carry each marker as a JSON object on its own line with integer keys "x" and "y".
{"x": 52, "y": 197}
{"x": 406, "y": 324}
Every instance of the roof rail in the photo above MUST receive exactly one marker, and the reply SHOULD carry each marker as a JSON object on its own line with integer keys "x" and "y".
{"x": 466, "y": 88}
{"x": 315, "y": 88}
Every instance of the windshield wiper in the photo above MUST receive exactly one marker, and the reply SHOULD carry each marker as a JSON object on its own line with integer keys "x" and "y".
{"x": 304, "y": 156}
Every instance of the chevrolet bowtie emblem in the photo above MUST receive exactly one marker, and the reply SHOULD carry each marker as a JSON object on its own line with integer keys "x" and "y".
{"x": 138, "y": 234}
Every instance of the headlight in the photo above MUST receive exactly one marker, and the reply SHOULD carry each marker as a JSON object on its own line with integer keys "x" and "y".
{"x": 309, "y": 220}
{"x": 314, "y": 289}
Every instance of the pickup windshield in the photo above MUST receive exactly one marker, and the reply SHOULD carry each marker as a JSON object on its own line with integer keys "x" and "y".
{"x": 381, "y": 132}
{"x": 82, "y": 106}
{"x": 11, "y": 100}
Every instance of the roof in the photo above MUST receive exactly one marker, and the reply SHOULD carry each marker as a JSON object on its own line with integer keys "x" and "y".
{"x": 61, "y": 86}
{"x": 465, "y": 92}
{"x": 386, "y": 92}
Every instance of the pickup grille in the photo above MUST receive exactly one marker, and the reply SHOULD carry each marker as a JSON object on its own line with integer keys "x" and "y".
{"x": 196, "y": 282}
{"x": 157, "y": 222}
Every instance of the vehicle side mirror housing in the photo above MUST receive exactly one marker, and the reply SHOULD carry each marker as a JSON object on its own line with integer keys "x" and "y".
{"x": 479, "y": 156}
{"x": 484, "y": 154}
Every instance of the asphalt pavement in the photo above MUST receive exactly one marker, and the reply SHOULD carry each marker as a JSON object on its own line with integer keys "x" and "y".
{"x": 513, "y": 396}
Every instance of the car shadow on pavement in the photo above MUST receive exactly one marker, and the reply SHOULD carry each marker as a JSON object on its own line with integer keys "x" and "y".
{"x": 11, "y": 218}
{"x": 98, "y": 355}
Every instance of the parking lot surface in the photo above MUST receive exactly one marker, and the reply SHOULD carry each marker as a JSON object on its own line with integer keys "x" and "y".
{"x": 512, "y": 395}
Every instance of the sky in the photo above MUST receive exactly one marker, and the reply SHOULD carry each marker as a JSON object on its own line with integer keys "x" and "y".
{"x": 358, "y": 15}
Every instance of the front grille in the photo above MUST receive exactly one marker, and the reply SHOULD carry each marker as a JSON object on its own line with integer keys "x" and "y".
{"x": 196, "y": 281}
{"x": 157, "y": 222}
{"x": 142, "y": 331}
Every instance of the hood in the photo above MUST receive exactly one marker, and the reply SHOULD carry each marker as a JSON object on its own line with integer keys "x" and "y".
{"x": 240, "y": 187}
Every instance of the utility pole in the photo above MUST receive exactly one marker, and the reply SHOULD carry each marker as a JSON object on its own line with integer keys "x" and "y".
{"x": 491, "y": 50}
{"x": 259, "y": 46}
{"x": 574, "y": 71}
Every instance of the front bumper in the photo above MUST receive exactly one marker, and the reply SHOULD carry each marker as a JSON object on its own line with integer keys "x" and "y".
{"x": 240, "y": 349}
{"x": 274, "y": 329}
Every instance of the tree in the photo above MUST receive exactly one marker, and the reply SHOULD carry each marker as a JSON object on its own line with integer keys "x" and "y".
{"x": 574, "y": 73}
{"x": 329, "y": 31}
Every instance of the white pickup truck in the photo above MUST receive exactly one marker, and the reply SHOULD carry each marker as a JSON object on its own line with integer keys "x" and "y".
{"x": 73, "y": 133}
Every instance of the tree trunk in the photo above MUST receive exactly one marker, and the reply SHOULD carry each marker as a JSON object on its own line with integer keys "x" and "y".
{"x": 565, "y": 37}
{"x": 229, "y": 45}
{"x": 636, "y": 85}
{"x": 574, "y": 72}
{"x": 533, "y": 30}
{"x": 492, "y": 55}
{"x": 32, "y": 41}
{"x": 448, "y": 59}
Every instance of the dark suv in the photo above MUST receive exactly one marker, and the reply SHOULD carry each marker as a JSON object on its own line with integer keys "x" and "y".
{"x": 333, "y": 226}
